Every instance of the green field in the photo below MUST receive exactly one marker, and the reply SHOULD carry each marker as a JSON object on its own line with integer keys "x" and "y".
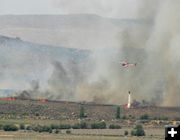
{"x": 151, "y": 134}
{"x": 76, "y": 134}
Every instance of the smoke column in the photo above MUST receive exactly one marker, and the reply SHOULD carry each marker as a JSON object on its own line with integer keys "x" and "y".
{"x": 162, "y": 48}
{"x": 153, "y": 44}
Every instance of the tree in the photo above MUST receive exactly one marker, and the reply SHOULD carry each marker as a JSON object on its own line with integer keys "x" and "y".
{"x": 82, "y": 114}
{"x": 10, "y": 127}
{"x": 68, "y": 131}
{"x": 22, "y": 126}
{"x": 126, "y": 133}
{"x": 145, "y": 117}
{"x": 118, "y": 113}
{"x": 98, "y": 125}
{"x": 81, "y": 125}
{"x": 138, "y": 131}
{"x": 113, "y": 126}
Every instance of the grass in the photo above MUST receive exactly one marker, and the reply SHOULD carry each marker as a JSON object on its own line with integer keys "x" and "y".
{"x": 33, "y": 136}
{"x": 2, "y": 102}
{"x": 106, "y": 134}
{"x": 46, "y": 136}
{"x": 33, "y": 121}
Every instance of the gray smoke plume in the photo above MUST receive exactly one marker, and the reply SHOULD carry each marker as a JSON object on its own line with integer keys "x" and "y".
{"x": 31, "y": 93}
{"x": 156, "y": 77}
{"x": 64, "y": 79}
{"x": 162, "y": 48}
{"x": 152, "y": 43}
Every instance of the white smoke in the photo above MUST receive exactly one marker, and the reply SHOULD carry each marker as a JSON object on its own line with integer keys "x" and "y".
{"x": 156, "y": 77}
{"x": 153, "y": 43}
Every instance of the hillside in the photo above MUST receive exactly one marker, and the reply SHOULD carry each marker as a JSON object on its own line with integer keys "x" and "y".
{"x": 23, "y": 62}
{"x": 70, "y": 110}
{"x": 57, "y": 72}
{"x": 75, "y": 31}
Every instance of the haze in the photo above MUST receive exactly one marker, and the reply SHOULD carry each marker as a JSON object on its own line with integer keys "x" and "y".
{"x": 106, "y": 8}
{"x": 143, "y": 31}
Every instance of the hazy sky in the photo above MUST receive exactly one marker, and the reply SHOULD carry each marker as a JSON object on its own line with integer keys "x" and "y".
{"x": 107, "y": 8}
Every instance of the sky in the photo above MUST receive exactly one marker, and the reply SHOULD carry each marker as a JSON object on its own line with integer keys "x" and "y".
{"x": 106, "y": 8}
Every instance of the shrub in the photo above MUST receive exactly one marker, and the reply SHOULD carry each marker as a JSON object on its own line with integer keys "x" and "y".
{"x": 76, "y": 126}
{"x": 22, "y": 126}
{"x": 161, "y": 118}
{"x": 145, "y": 117}
{"x": 81, "y": 125}
{"x": 177, "y": 119}
{"x": 155, "y": 118}
{"x": 133, "y": 117}
{"x": 130, "y": 117}
{"x": 112, "y": 126}
{"x": 29, "y": 127}
{"x": 1, "y": 126}
{"x": 126, "y": 133}
{"x": 133, "y": 133}
{"x": 10, "y": 127}
{"x": 39, "y": 128}
{"x": 68, "y": 132}
{"x": 53, "y": 126}
{"x": 98, "y": 125}
{"x": 124, "y": 117}
{"x": 37, "y": 114}
{"x": 164, "y": 118}
{"x": 50, "y": 131}
{"x": 64, "y": 126}
{"x": 46, "y": 129}
{"x": 56, "y": 131}
{"x": 138, "y": 131}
